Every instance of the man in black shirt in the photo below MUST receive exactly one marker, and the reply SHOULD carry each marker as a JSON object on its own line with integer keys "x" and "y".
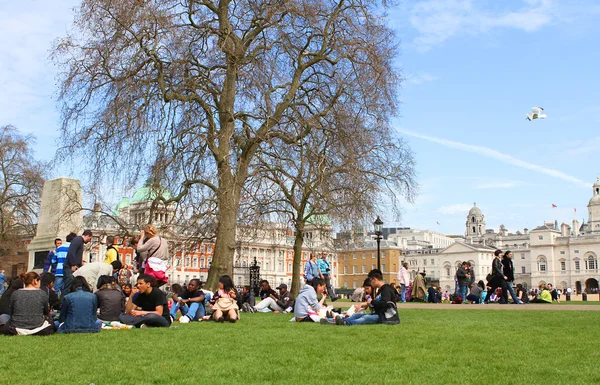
{"x": 266, "y": 291}
{"x": 190, "y": 303}
{"x": 74, "y": 260}
{"x": 383, "y": 308}
{"x": 283, "y": 304}
{"x": 149, "y": 308}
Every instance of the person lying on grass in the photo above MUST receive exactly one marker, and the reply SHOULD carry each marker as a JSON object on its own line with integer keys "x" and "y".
{"x": 383, "y": 308}
{"x": 307, "y": 306}
{"x": 224, "y": 304}
{"x": 149, "y": 307}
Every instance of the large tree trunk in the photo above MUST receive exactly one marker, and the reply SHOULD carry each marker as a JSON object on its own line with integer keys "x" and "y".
{"x": 228, "y": 197}
{"x": 297, "y": 280}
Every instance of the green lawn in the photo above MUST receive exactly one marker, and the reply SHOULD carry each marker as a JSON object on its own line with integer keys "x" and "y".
{"x": 430, "y": 346}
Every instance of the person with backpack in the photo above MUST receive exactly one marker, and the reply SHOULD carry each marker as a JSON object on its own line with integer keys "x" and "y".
{"x": 112, "y": 251}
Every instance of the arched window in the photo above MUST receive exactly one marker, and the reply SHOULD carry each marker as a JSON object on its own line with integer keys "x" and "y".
{"x": 473, "y": 219}
{"x": 448, "y": 269}
{"x": 541, "y": 262}
{"x": 591, "y": 263}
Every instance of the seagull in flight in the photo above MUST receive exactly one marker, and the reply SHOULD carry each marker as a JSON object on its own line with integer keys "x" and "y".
{"x": 536, "y": 113}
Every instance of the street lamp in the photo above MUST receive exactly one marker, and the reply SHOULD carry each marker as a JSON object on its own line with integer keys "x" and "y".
{"x": 378, "y": 228}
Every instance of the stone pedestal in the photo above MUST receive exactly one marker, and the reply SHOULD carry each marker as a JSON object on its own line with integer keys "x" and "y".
{"x": 60, "y": 214}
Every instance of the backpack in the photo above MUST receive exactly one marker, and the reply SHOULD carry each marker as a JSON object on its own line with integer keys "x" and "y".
{"x": 123, "y": 277}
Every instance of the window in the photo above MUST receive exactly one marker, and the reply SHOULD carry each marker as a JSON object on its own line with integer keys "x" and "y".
{"x": 372, "y": 267}
{"x": 523, "y": 269}
{"x": 373, "y": 255}
{"x": 345, "y": 283}
{"x": 563, "y": 265}
{"x": 542, "y": 264}
{"x": 590, "y": 263}
{"x": 202, "y": 262}
{"x": 195, "y": 262}
{"x": 522, "y": 255}
{"x": 577, "y": 267}
{"x": 433, "y": 261}
{"x": 345, "y": 257}
{"x": 354, "y": 285}
{"x": 345, "y": 269}
{"x": 541, "y": 237}
{"x": 187, "y": 261}
{"x": 576, "y": 251}
{"x": 448, "y": 271}
{"x": 364, "y": 255}
{"x": 424, "y": 262}
{"x": 354, "y": 270}
{"x": 383, "y": 268}
{"x": 383, "y": 255}
{"x": 364, "y": 268}
{"x": 562, "y": 252}
{"x": 354, "y": 255}
{"x": 290, "y": 267}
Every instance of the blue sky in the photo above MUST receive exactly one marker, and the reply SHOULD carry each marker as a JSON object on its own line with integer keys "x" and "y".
{"x": 472, "y": 70}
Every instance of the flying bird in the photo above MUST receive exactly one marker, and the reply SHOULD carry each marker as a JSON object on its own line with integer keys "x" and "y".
{"x": 536, "y": 113}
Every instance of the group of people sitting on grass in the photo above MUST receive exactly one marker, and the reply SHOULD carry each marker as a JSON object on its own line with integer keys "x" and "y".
{"x": 377, "y": 305}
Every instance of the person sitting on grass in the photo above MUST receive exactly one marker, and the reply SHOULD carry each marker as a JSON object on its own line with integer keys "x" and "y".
{"x": 224, "y": 302}
{"x": 475, "y": 294}
{"x": 28, "y": 310}
{"x": 432, "y": 295}
{"x": 553, "y": 293}
{"x": 13, "y": 285}
{"x": 307, "y": 306}
{"x": 78, "y": 309}
{"x": 246, "y": 300}
{"x": 282, "y": 304}
{"x": 190, "y": 302}
{"x": 544, "y": 295}
{"x": 383, "y": 308}
{"x": 265, "y": 290}
{"x": 47, "y": 286}
{"x": 367, "y": 292}
{"x": 149, "y": 307}
{"x": 111, "y": 300}
{"x": 522, "y": 294}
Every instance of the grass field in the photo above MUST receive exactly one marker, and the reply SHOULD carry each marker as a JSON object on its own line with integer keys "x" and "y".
{"x": 434, "y": 346}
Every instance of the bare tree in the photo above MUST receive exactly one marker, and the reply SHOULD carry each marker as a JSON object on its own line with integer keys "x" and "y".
{"x": 340, "y": 171}
{"x": 21, "y": 183}
{"x": 190, "y": 89}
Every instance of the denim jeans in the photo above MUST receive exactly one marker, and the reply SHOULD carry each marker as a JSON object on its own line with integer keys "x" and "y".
{"x": 512, "y": 293}
{"x": 58, "y": 284}
{"x": 61, "y": 327}
{"x": 464, "y": 289}
{"x": 361, "y": 319}
{"x": 403, "y": 293}
{"x": 195, "y": 311}
{"x": 67, "y": 280}
{"x": 153, "y": 320}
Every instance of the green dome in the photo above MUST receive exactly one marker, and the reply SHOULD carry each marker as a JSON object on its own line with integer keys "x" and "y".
{"x": 123, "y": 203}
{"x": 322, "y": 220}
{"x": 146, "y": 193}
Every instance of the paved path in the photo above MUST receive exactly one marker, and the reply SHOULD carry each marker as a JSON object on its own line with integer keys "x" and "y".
{"x": 533, "y": 306}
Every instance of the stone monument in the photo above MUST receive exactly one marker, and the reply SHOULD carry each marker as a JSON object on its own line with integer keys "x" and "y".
{"x": 60, "y": 214}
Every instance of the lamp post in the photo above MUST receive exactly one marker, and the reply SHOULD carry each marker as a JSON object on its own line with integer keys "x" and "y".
{"x": 378, "y": 227}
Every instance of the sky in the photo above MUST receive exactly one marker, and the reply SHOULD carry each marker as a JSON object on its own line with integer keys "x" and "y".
{"x": 471, "y": 71}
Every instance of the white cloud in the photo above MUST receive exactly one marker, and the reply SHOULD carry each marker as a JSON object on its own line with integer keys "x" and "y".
{"x": 496, "y": 185}
{"x": 438, "y": 20}
{"x": 420, "y": 78}
{"x": 494, "y": 154}
{"x": 458, "y": 208}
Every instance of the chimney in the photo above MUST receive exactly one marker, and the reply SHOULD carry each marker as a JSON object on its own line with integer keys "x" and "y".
{"x": 525, "y": 231}
{"x": 564, "y": 229}
{"x": 575, "y": 227}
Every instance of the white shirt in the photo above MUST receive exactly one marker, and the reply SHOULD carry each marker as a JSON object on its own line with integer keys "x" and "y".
{"x": 403, "y": 276}
{"x": 92, "y": 271}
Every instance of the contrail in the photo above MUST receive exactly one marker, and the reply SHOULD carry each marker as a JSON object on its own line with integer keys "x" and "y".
{"x": 491, "y": 153}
